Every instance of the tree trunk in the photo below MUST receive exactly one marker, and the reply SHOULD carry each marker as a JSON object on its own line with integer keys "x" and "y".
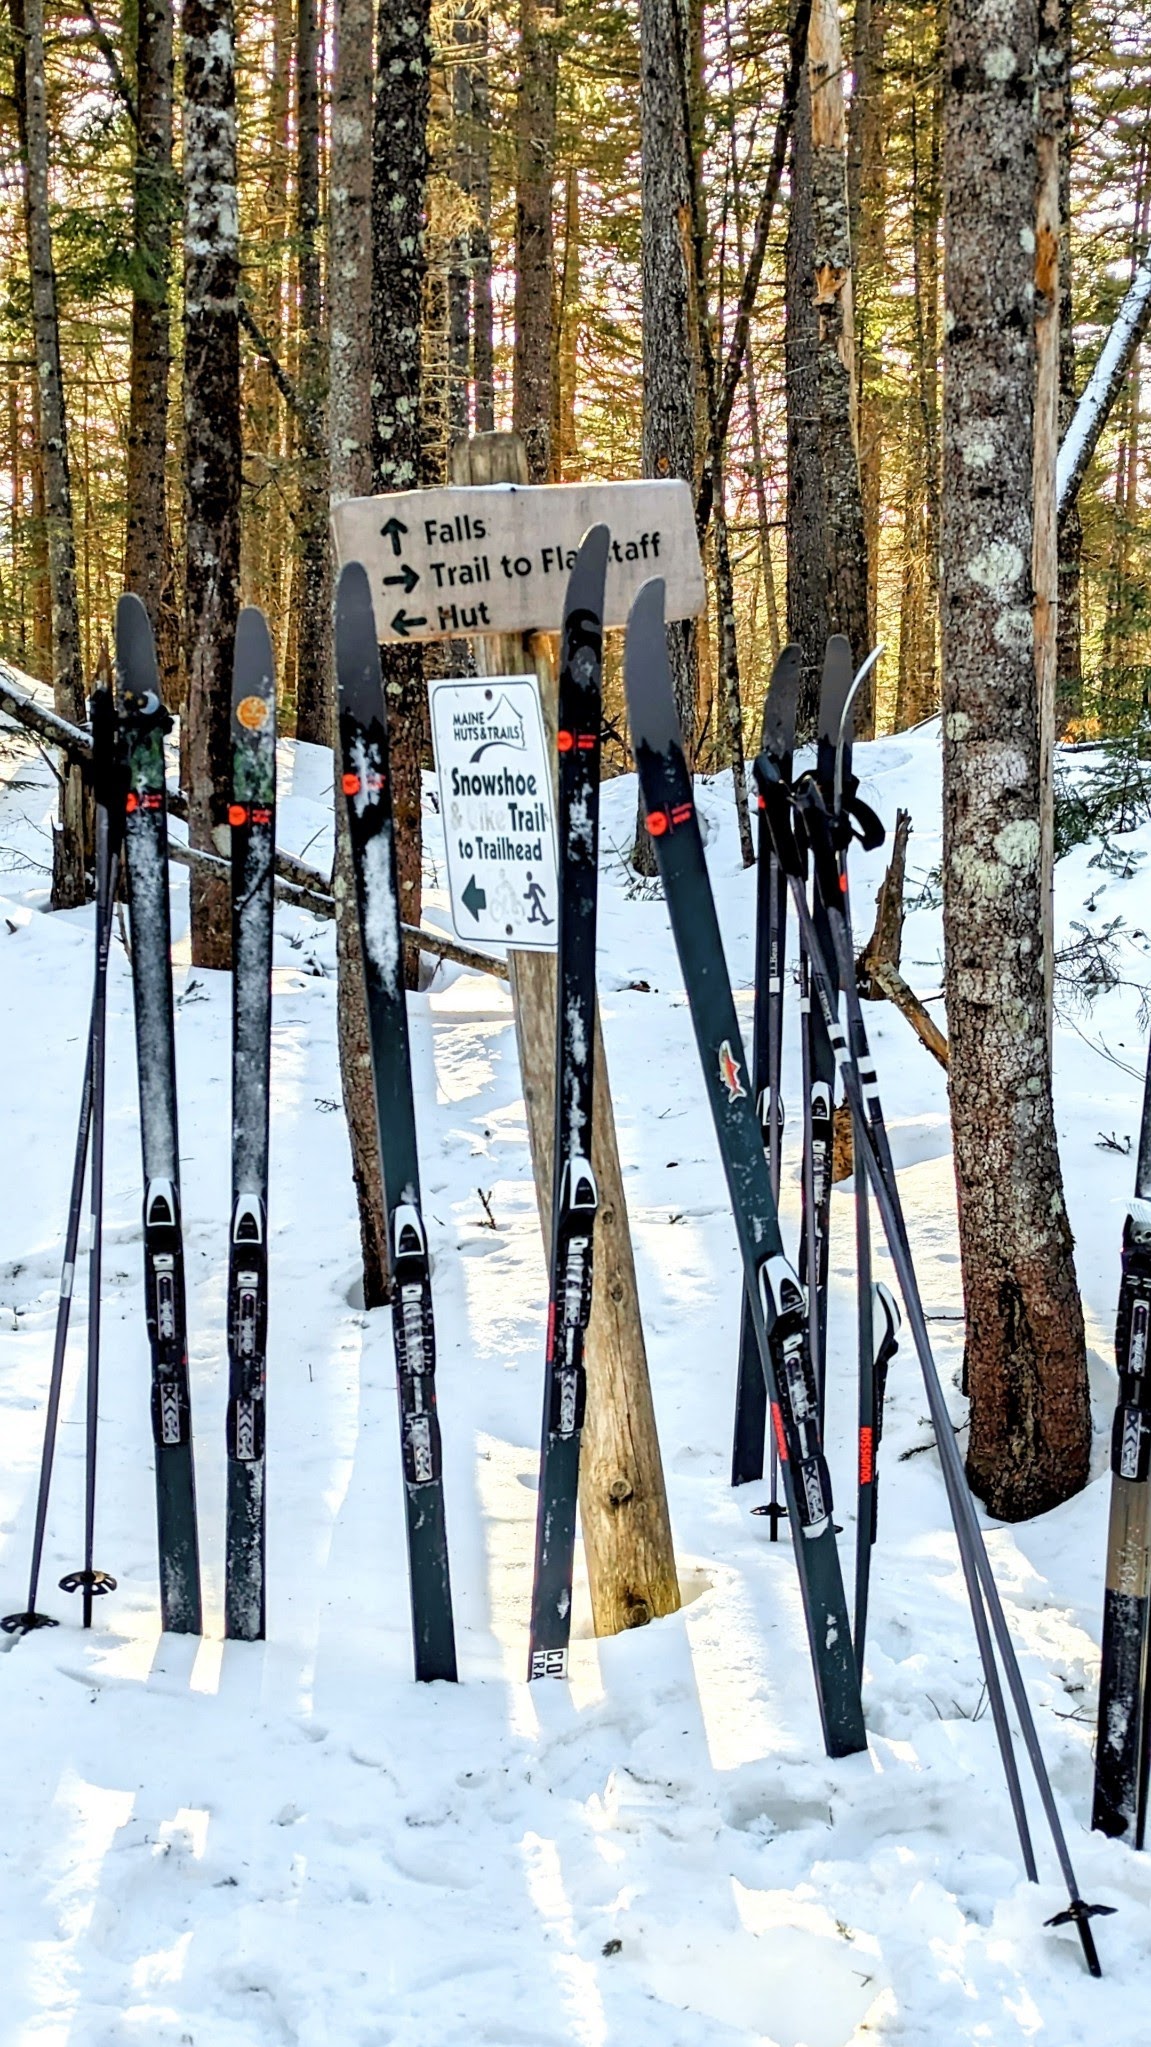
{"x": 68, "y": 841}
{"x": 1054, "y": 86}
{"x": 483, "y": 371}
{"x": 533, "y": 405}
{"x": 313, "y": 633}
{"x": 212, "y": 450}
{"x": 826, "y": 550}
{"x": 146, "y": 538}
{"x": 350, "y": 471}
{"x": 831, "y": 284}
{"x": 670, "y": 378}
{"x": 867, "y": 210}
{"x": 1069, "y": 655}
{"x": 459, "y": 268}
{"x": 399, "y": 189}
{"x": 566, "y": 463}
{"x": 1026, "y": 1369}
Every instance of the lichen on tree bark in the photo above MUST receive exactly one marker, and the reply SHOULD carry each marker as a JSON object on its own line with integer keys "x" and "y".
{"x": 1030, "y": 1418}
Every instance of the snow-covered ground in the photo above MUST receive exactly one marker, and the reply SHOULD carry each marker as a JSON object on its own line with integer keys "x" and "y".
{"x": 231, "y": 1845}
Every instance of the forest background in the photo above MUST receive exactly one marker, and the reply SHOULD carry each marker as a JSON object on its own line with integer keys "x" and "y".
{"x": 257, "y": 261}
{"x": 486, "y": 63}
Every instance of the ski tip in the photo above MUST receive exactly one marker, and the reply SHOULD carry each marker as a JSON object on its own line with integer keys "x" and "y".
{"x": 354, "y": 594}
{"x": 253, "y": 674}
{"x": 778, "y": 734}
{"x": 838, "y": 674}
{"x": 136, "y": 671}
{"x": 591, "y": 561}
{"x": 359, "y": 687}
{"x": 647, "y": 673}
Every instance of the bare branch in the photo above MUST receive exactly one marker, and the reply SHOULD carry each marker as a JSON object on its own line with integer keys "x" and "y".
{"x": 107, "y": 49}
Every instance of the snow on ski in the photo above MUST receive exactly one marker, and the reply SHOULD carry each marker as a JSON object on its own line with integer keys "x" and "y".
{"x": 775, "y": 1298}
{"x": 1121, "y": 1759}
{"x": 778, "y": 738}
{"x": 575, "y": 1197}
{"x": 252, "y": 821}
{"x": 145, "y": 723}
{"x": 364, "y": 766}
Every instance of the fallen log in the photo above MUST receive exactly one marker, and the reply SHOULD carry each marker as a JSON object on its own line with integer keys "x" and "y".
{"x": 298, "y": 884}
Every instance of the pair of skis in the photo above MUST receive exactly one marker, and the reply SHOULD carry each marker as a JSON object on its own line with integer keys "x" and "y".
{"x": 575, "y": 1201}
{"x": 252, "y": 821}
{"x": 878, "y": 1315}
{"x": 802, "y": 828}
{"x": 774, "y": 1299}
{"x": 131, "y": 820}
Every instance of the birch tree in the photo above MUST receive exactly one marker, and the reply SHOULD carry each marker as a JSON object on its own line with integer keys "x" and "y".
{"x": 1026, "y": 1369}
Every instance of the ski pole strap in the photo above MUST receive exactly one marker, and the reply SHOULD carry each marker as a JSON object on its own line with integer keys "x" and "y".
{"x": 774, "y": 798}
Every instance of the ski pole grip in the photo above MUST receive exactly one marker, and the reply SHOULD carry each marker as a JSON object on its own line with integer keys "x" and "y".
{"x": 774, "y": 797}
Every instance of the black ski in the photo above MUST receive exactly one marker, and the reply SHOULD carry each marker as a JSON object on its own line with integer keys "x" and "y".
{"x": 145, "y": 722}
{"x": 766, "y": 1060}
{"x": 252, "y": 821}
{"x": 364, "y": 767}
{"x": 818, "y": 1057}
{"x": 878, "y": 1314}
{"x": 775, "y": 1298}
{"x": 575, "y": 1197}
{"x": 1121, "y": 1747}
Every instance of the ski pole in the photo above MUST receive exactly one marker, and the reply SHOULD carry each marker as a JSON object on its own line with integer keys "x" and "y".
{"x": 91, "y": 1582}
{"x": 24, "y": 1623}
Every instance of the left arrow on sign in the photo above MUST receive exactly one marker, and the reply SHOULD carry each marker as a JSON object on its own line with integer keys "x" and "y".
{"x": 475, "y": 898}
{"x": 403, "y": 625}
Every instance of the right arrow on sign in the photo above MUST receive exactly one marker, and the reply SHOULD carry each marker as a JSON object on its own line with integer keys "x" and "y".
{"x": 475, "y": 898}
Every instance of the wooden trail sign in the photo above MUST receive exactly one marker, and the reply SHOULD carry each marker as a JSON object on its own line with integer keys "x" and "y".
{"x": 495, "y": 558}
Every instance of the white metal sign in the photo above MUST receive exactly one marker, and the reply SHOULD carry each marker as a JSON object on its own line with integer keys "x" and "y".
{"x": 494, "y": 558}
{"x": 496, "y": 804}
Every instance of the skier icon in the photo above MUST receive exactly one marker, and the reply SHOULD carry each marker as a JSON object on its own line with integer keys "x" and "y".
{"x": 534, "y": 895}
